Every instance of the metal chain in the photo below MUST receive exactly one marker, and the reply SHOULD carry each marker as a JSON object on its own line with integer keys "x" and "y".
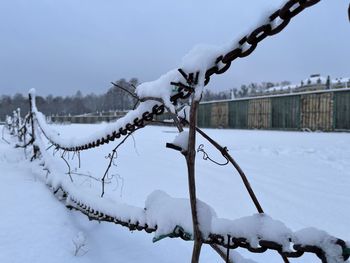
{"x": 128, "y": 128}
{"x": 277, "y": 21}
{"x": 264, "y": 245}
{"x": 229, "y": 242}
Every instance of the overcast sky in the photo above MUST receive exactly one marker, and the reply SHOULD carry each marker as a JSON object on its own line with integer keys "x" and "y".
{"x": 61, "y": 46}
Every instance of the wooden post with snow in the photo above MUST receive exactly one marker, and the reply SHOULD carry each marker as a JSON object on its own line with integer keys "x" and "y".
{"x": 31, "y": 114}
{"x": 31, "y": 117}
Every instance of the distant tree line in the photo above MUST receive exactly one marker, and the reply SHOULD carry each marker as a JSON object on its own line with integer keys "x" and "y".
{"x": 114, "y": 99}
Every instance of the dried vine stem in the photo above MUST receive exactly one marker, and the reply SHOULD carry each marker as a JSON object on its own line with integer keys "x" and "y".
{"x": 68, "y": 165}
{"x": 87, "y": 176}
{"x": 224, "y": 152}
{"x": 129, "y": 92}
{"x": 221, "y": 253}
{"x": 179, "y": 126}
{"x": 79, "y": 160}
{"x": 111, "y": 158}
{"x": 207, "y": 157}
{"x": 25, "y": 145}
{"x": 190, "y": 156}
{"x": 126, "y": 90}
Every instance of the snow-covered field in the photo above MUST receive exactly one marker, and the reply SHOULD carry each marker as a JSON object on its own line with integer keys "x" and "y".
{"x": 301, "y": 179}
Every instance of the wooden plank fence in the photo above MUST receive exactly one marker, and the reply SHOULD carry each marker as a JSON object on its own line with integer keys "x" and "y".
{"x": 327, "y": 110}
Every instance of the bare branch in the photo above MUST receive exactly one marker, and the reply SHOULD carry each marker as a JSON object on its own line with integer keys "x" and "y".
{"x": 111, "y": 157}
{"x": 86, "y": 175}
{"x": 25, "y": 145}
{"x": 69, "y": 170}
{"x": 224, "y": 152}
{"x": 206, "y": 156}
{"x": 221, "y": 253}
{"x": 190, "y": 161}
{"x": 126, "y": 90}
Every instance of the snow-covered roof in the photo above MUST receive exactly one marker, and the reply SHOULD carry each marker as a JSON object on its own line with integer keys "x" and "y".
{"x": 312, "y": 80}
{"x": 340, "y": 80}
{"x": 281, "y": 88}
{"x": 315, "y": 79}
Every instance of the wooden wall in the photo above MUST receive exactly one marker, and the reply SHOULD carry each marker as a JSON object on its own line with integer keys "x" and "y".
{"x": 323, "y": 111}
{"x": 259, "y": 114}
{"x": 317, "y": 112}
{"x": 238, "y": 114}
{"x": 285, "y": 112}
{"x": 219, "y": 115}
{"x": 342, "y": 110}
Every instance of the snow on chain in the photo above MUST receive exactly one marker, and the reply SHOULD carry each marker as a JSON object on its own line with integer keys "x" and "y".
{"x": 165, "y": 214}
{"x": 200, "y": 58}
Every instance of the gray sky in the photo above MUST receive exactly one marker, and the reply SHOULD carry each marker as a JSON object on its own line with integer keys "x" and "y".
{"x": 61, "y": 46}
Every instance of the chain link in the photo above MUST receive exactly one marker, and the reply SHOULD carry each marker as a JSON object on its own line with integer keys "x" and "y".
{"x": 229, "y": 242}
{"x": 278, "y": 20}
{"x": 264, "y": 245}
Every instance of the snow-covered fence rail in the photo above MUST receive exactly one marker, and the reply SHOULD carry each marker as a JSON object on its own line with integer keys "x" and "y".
{"x": 197, "y": 221}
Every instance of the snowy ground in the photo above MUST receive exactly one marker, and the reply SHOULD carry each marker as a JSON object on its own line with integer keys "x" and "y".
{"x": 301, "y": 179}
